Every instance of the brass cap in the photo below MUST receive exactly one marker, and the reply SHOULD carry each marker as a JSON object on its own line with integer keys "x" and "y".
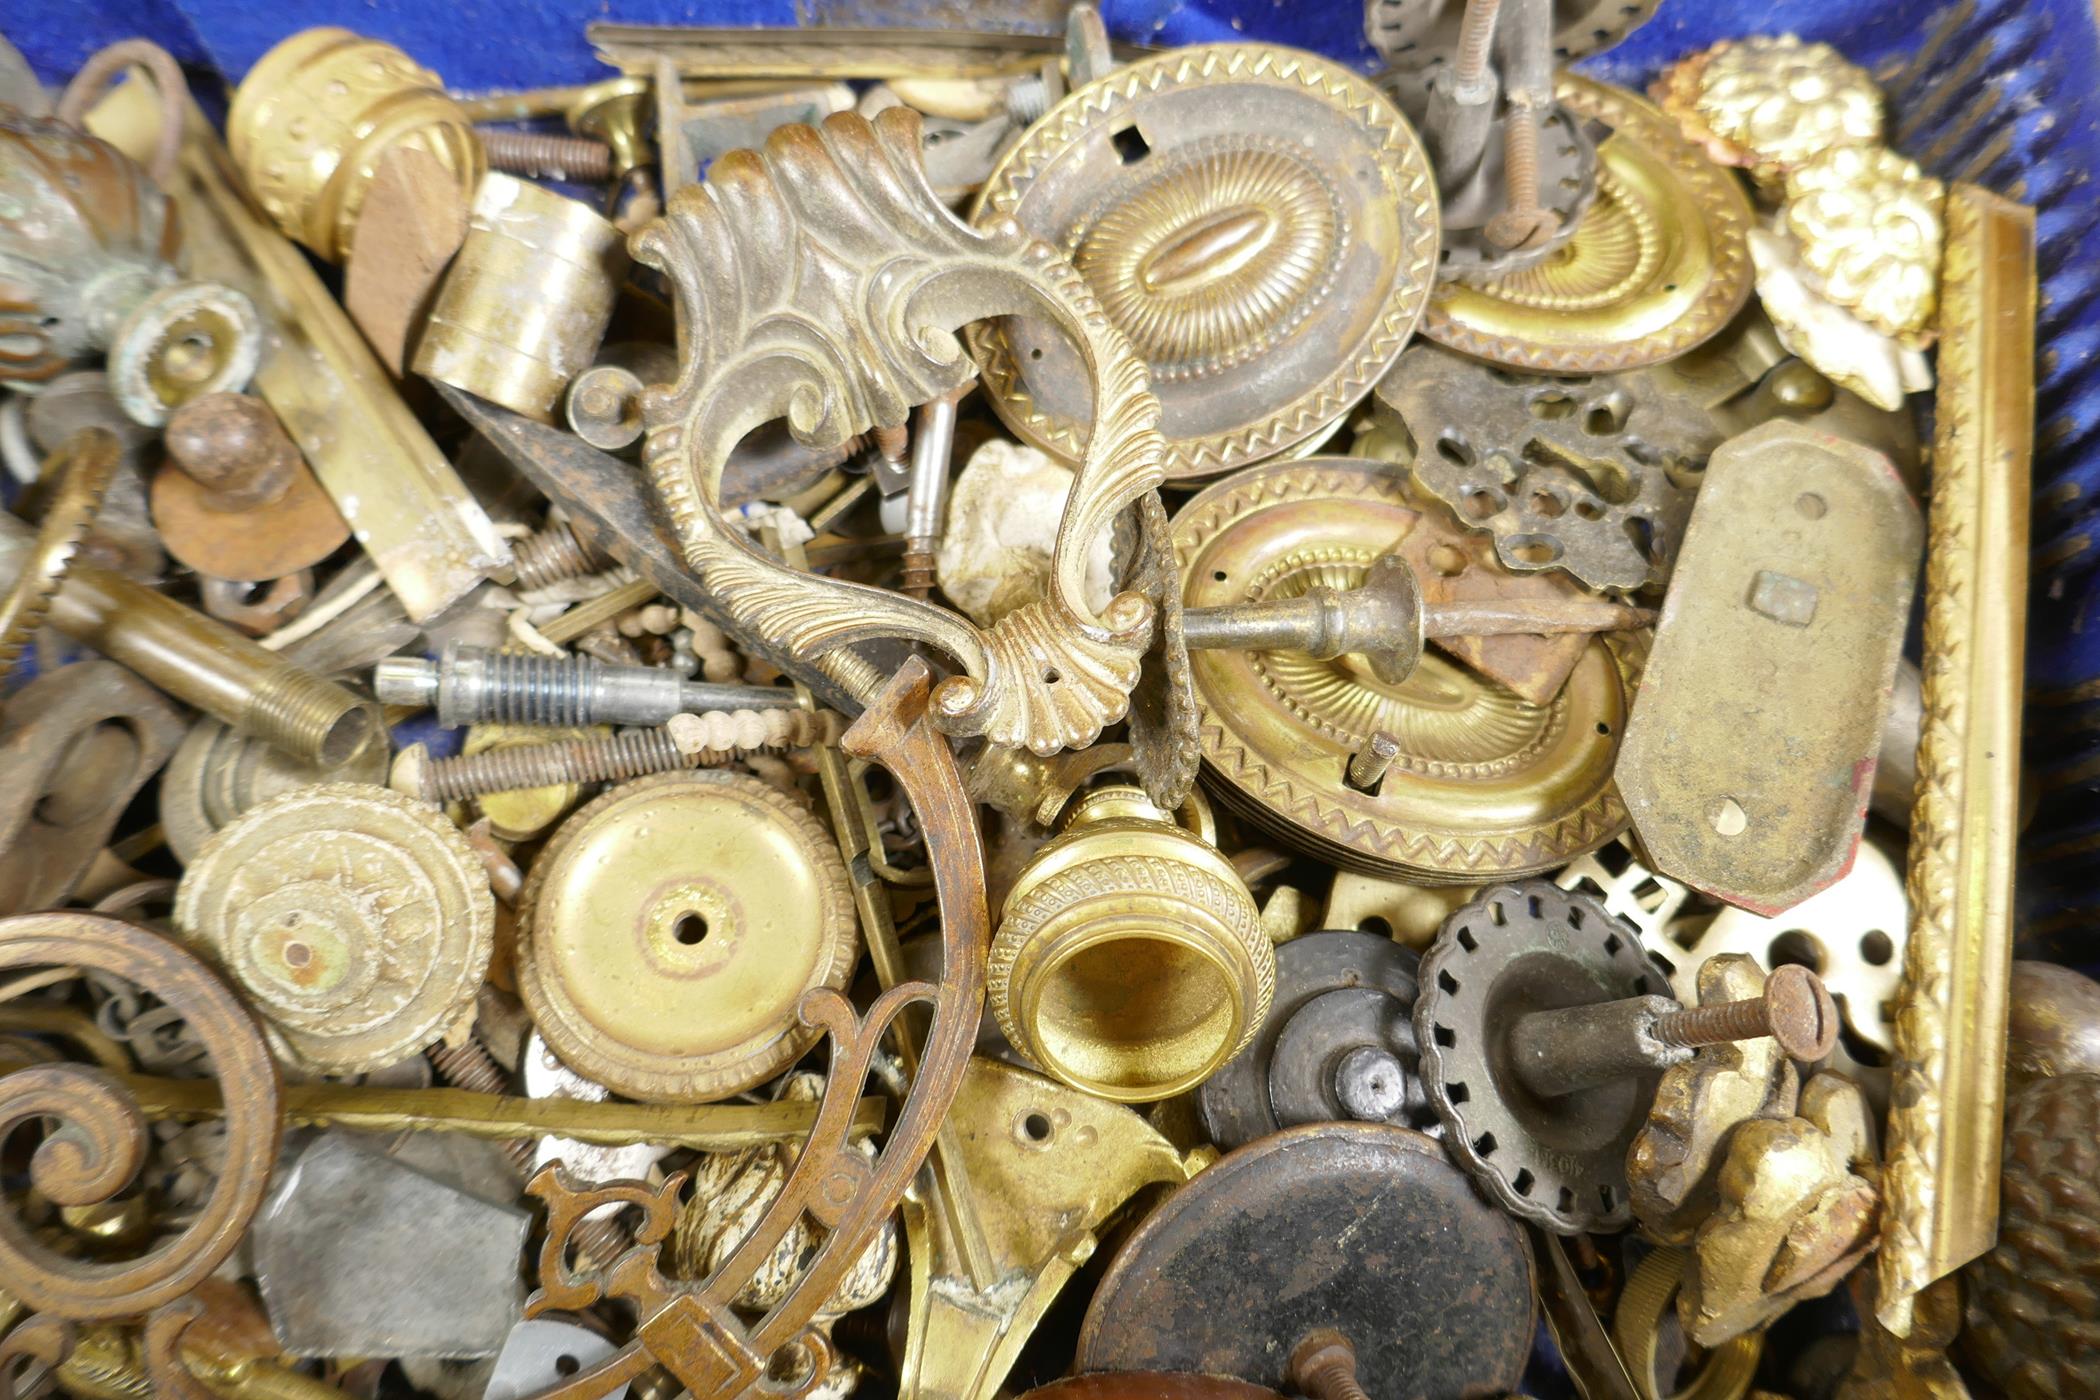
{"x": 314, "y": 116}
{"x": 1130, "y": 960}
{"x": 670, "y": 928}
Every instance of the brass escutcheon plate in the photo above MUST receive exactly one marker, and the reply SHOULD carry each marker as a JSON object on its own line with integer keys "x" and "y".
{"x": 1486, "y": 783}
{"x": 1260, "y": 223}
{"x": 1750, "y": 756}
{"x": 1660, "y": 263}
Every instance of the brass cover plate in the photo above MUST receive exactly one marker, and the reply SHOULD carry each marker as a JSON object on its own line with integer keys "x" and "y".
{"x": 356, "y": 921}
{"x": 1262, "y": 225}
{"x": 1486, "y": 783}
{"x": 1660, "y": 263}
{"x": 668, "y": 931}
{"x": 1365, "y": 1228}
{"x": 1750, "y": 756}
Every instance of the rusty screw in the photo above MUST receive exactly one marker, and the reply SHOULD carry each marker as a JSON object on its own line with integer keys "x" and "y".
{"x": 1552, "y": 1053}
{"x": 1476, "y": 31}
{"x": 548, "y": 154}
{"x": 1796, "y": 1010}
{"x": 468, "y": 1065}
{"x": 1323, "y": 1366}
{"x": 552, "y": 554}
{"x": 233, "y": 446}
{"x": 602, "y": 758}
{"x": 1522, "y": 224}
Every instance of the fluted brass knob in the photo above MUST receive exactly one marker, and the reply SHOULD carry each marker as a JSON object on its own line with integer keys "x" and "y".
{"x": 314, "y": 116}
{"x": 1130, "y": 960}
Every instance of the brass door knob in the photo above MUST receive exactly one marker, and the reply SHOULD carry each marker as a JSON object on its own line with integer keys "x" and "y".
{"x": 1130, "y": 960}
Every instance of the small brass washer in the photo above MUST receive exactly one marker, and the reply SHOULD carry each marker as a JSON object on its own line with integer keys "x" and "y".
{"x": 670, "y": 929}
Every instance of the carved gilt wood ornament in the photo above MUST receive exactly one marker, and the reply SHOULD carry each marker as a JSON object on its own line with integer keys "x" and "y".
{"x": 821, "y": 280}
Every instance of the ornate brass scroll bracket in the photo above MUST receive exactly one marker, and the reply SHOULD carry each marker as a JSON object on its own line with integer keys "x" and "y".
{"x": 821, "y": 280}
{"x": 99, "y": 1143}
{"x": 688, "y": 1327}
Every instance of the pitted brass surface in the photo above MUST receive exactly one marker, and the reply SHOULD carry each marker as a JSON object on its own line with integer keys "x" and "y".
{"x": 356, "y": 921}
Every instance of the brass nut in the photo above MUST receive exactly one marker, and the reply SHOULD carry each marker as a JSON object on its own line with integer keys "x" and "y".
{"x": 1130, "y": 959}
{"x": 671, "y": 928}
{"x": 314, "y": 116}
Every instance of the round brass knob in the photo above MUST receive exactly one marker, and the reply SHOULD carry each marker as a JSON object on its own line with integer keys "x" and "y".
{"x": 670, "y": 928}
{"x": 1130, "y": 960}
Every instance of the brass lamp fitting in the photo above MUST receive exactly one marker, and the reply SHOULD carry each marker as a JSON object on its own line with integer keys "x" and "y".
{"x": 527, "y": 299}
{"x": 1130, "y": 959}
{"x": 314, "y": 116}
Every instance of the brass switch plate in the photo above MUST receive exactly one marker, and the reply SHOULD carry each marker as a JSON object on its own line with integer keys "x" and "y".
{"x": 1750, "y": 754}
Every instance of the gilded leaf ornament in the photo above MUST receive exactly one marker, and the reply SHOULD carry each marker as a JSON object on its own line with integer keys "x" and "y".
{"x": 821, "y": 280}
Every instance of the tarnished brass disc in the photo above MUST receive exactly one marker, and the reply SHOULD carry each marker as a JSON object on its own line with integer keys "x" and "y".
{"x": 669, "y": 929}
{"x": 1660, "y": 263}
{"x": 1262, "y": 225}
{"x": 356, "y": 921}
{"x": 1486, "y": 783}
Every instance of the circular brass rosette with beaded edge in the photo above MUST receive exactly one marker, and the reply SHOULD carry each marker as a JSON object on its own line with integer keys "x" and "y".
{"x": 669, "y": 930}
{"x": 1486, "y": 784}
{"x": 1660, "y": 263}
{"x": 1261, "y": 224}
{"x": 358, "y": 922}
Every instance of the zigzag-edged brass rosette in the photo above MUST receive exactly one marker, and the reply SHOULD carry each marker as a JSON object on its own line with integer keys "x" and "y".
{"x": 1660, "y": 263}
{"x": 822, "y": 280}
{"x": 1262, "y": 225}
{"x": 1485, "y": 783}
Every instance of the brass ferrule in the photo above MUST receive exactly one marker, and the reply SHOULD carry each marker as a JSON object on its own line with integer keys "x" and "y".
{"x": 1130, "y": 959}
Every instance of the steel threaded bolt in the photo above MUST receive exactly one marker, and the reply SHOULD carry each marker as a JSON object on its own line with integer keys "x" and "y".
{"x": 1796, "y": 1010}
{"x": 1323, "y": 1366}
{"x": 543, "y": 153}
{"x": 471, "y": 685}
{"x": 552, "y": 554}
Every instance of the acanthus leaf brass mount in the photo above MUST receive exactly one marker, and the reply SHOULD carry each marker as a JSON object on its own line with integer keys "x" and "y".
{"x": 838, "y": 354}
